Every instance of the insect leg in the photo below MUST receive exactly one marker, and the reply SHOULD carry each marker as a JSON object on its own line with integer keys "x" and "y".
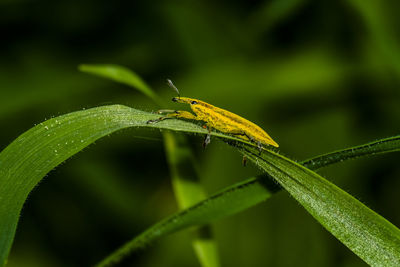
{"x": 162, "y": 111}
{"x": 207, "y": 139}
{"x": 251, "y": 138}
{"x": 244, "y": 161}
{"x": 173, "y": 114}
{"x": 259, "y": 146}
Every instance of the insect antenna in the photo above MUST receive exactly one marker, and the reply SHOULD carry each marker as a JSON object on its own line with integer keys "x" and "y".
{"x": 170, "y": 84}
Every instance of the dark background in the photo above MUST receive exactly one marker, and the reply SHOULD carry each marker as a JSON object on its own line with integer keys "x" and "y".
{"x": 317, "y": 75}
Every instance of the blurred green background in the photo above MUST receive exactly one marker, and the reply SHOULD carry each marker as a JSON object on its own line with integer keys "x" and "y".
{"x": 317, "y": 75}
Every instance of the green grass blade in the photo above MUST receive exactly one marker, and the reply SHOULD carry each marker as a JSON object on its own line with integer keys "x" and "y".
{"x": 230, "y": 201}
{"x": 183, "y": 170}
{"x": 385, "y": 145}
{"x": 188, "y": 191}
{"x": 33, "y": 154}
{"x": 122, "y": 75}
{"x": 242, "y": 196}
{"x": 187, "y": 187}
{"x": 366, "y": 233}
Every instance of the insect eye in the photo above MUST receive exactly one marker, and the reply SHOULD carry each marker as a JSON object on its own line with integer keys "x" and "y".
{"x": 194, "y": 102}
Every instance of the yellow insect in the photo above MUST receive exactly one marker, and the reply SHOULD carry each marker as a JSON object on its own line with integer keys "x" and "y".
{"x": 219, "y": 119}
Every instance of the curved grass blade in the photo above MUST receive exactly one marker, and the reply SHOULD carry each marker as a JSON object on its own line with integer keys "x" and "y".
{"x": 185, "y": 180}
{"x": 36, "y": 152}
{"x": 123, "y": 75}
{"x": 385, "y": 145}
{"x": 366, "y": 233}
{"x": 230, "y": 201}
{"x": 32, "y": 155}
{"x": 242, "y": 196}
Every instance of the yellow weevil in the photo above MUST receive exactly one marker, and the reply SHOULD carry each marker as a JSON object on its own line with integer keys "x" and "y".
{"x": 219, "y": 119}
